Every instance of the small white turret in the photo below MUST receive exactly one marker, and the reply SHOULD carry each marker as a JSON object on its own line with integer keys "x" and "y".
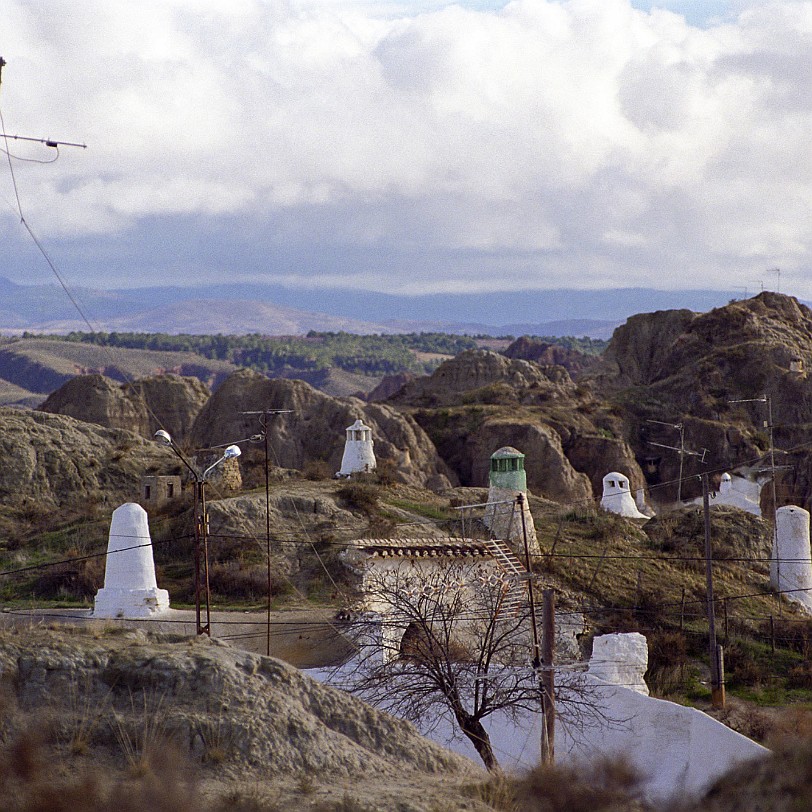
{"x": 359, "y": 456}
{"x": 130, "y": 589}
{"x": 617, "y": 497}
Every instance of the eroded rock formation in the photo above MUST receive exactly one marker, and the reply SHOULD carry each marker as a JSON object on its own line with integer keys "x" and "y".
{"x": 315, "y": 428}
{"x": 170, "y": 402}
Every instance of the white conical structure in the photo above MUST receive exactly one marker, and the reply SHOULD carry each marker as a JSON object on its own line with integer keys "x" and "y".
{"x": 791, "y": 567}
{"x": 617, "y": 497}
{"x": 359, "y": 456}
{"x": 130, "y": 589}
{"x": 733, "y": 494}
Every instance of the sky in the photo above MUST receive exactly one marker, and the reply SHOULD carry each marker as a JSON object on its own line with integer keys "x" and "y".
{"x": 410, "y": 148}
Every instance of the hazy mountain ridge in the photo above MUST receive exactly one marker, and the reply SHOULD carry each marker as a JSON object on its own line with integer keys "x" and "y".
{"x": 276, "y": 310}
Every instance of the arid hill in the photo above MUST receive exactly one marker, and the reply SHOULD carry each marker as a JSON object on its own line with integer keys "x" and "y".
{"x": 480, "y": 400}
{"x": 681, "y": 367}
{"x": 133, "y": 714}
{"x": 42, "y": 365}
{"x": 55, "y": 461}
{"x": 547, "y": 354}
{"x": 315, "y": 428}
{"x": 170, "y": 402}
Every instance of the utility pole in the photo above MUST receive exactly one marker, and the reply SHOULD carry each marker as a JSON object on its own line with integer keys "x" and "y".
{"x": 548, "y": 673}
{"x": 717, "y": 684}
{"x": 542, "y": 654}
{"x": 263, "y": 419}
{"x": 681, "y": 450}
{"x": 771, "y": 468}
{"x": 201, "y": 556}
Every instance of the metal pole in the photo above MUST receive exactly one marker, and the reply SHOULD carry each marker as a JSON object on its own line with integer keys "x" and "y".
{"x": 267, "y": 531}
{"x": 546, "y": 752}
{"x": 548, "y": 674}
{"x": 204, "y": 587}
{"x": 775, "y": 504}
{"x": 681, "y": 459}
{"x": 717, "y": 688}
{"x": 198, "y": 546}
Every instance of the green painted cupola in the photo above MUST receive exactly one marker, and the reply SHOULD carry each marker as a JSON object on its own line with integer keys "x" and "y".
{"x": 507, "y": 470}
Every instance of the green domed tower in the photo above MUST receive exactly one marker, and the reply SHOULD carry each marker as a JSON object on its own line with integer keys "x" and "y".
{"x": 507, "y": 480}
{"x": 507, "y": 470}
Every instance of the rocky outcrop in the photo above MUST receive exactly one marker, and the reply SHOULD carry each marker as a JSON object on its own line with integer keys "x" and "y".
{"x": 170, "y": 402}
{"x": 390, "y": 385}
{"x": 681, "y": 367}
{"x": 549, "y": 472}
{"x": 639, "y": 349}
{"x": 488, "y": 373}
{"x": 296, "y": 513}
{"x": 544, "y": 353}
{"x": 51, "y": 460}
{"x": 97, "y": 399}
{"x": 315, "y": 428}
{"x": 246, "y": 714}
{"x": 480, "y": 401}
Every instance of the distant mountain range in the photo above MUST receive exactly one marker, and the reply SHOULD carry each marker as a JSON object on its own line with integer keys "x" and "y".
{"x": 275, "y": 310}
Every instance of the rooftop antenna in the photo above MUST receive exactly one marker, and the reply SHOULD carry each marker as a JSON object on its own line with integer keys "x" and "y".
{"x": 49, "y": 142}
{"x": 681, "y": 450}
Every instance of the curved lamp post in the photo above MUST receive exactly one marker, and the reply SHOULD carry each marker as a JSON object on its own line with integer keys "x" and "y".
{"x": 202, "y": 591}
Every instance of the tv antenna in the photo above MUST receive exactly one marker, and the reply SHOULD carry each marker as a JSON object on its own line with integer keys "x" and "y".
{"x": 680, "y": 449}
{"x": 771, "y": 469}
{"x": 49, "y": 142}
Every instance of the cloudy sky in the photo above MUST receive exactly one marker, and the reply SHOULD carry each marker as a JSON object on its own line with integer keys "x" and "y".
{"x": 411, "y": 147}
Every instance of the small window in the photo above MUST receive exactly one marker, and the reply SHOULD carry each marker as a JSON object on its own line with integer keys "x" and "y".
{"x": 170, "y": 490}
{"x": 147, "y": 492}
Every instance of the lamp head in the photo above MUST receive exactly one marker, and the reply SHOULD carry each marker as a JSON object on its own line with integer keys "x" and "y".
{"x": 231, "y": 452}
{"x": 163, "y": 437}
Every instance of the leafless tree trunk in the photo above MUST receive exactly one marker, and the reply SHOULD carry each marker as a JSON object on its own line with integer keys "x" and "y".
{"x": 446, "y": 639}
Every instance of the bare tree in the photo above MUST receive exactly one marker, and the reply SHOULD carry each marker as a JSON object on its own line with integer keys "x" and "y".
{"x": 448, "y": 639}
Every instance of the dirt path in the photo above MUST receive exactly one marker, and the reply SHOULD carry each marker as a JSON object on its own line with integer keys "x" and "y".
{"x": 305, "y": 638}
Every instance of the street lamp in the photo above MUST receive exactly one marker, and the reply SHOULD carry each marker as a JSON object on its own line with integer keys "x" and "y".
{"x": 201, "y": 526}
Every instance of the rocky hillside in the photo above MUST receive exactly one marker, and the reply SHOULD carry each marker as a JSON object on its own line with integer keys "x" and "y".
{"x": 131, "y": 710}
{"x": 481, "y": 400}
{"x": 170, "y": 402}
{"x": 314, "y": 430}
{"x": 54, "y": 461}
{"x": 682, "y": 367}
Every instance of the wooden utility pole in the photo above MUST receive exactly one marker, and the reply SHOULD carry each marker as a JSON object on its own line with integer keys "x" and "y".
{"x": 544, "y": 654}
{"x": 547, "y": 673}
{"x": 263, "y": 419}
{"x": 717, "y": 685}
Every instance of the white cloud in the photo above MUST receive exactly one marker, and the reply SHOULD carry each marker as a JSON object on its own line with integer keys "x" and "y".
{"x": 586, "y": 140}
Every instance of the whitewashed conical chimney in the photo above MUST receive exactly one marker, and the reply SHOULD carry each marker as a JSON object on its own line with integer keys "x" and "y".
{"x": 130, "y": 589}
{"x": 359, "y": 456}
{"x": 617, "y": 496}
{"x": 791, "y": 567}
